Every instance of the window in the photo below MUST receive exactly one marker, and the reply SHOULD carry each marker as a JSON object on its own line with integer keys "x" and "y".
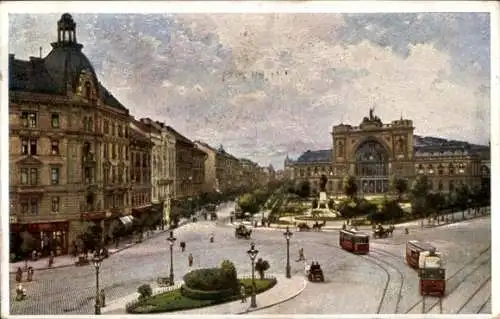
{"x": 106, "y": 150}
{"x": 54, "y": 175}
{"x": 440, "y": 186}
{"x": 24, "y": 176}
{"x": 113, "y": 129}
{"x": 33, "y": 144}
{"x": 451, "y": 169}
{"x": 25, "y": 146}
{"x": 126, "y": 153}
{"x": 87, "y": 90}
{"x": 25, "y": 206}
{"x": 106, "y": 127}
{"x": 451, "y": 186}
{"x": 34, "y": 206}
{"x": 120, "y": 131}
{"x": 90, "y": 125}
{"x": 126, "y": 132}
{"x": 440, "y": 169}
{"x": 55, "y": 120}
{"x": 54, "y": 150}
{"x": 33, "y": 176}
{"x": 29, "y": 119}
{"x": 120, "y": 152}
{"x": 55, "y": 204}
{"x": 113, "y": 151}
{"x": 29, "y": 146}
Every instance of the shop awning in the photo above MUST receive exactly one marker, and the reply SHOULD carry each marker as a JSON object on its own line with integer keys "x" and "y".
{"x": 127, "y": 220}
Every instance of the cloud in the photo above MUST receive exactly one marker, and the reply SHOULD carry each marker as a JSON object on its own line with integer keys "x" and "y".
{"x": 274, "y": 84}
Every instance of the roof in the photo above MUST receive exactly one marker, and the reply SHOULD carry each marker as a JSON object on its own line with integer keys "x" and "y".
{"x": 138, "y": 136}
{"x": 205, "y": 145}
{"x": 438, "y": 144}
{"x": 61, "y": 67}
{"x": 321, "y": 156}
{"x": 179, "y": 136}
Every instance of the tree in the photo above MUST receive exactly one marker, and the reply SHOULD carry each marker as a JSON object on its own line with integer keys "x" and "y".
{"x": 419, "y": 192}
{"x": 304, "y": 189}
{"x": 248, "y": 203}
{"x": 349, "y": 186}
{"x": 262, "y": 266}
{"x": 399, "y": 185}
{"x": 463, "y": 196}
{"x": 229, "y": 274}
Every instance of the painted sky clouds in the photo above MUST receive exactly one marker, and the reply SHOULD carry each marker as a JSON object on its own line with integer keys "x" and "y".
{"x": 267, "y": 85}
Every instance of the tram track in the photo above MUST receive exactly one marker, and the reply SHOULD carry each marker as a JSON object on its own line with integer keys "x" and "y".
{"x": 478, "y": 289}
{"x": 456, "y": 285}
{"x": 484, "y": 304}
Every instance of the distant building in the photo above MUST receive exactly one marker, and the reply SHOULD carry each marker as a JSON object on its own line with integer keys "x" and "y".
{"x": 374, "y": 151}
{"x": 210, "y": 179}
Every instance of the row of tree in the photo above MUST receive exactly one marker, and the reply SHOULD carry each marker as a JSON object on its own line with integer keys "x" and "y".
{"x": 252, "y": 202}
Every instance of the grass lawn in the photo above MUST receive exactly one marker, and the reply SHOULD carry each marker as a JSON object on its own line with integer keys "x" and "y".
{"x": 175, "y": 301}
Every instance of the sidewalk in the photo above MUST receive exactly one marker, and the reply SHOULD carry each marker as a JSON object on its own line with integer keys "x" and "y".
{"x": 284, "y": 290}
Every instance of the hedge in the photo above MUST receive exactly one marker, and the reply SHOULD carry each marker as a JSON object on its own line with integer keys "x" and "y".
{"x": 206, "y": 279}
{"x": 207, "y": 294}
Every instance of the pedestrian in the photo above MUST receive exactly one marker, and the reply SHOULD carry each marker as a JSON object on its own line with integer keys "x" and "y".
{"x": 51, "y": 259}
{"x": 102, "y": 296}
{"x": 243, "y": 293}
{"x": 183, "y": 246}
{"x": 190, "y": 260}
{"x": 31, "y": 271}
{"x": 34, "y": 255}
{"x": 301, "y": 254}
{"x": 212, "y": 237}
{"x": 19, "y": 274}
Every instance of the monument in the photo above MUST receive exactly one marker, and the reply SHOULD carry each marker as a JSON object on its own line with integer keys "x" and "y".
{"x": 322, "y": 203}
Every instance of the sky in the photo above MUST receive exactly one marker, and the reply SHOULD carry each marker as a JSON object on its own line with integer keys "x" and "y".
{"x": 268, "y": 85}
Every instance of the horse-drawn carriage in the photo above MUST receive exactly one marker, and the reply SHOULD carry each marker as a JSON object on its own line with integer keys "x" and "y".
{"x": 381, "y": 232}
{"x": 242, "y": 232}
{"x": 315, "y": 273}
{"x": 316, "y": 226}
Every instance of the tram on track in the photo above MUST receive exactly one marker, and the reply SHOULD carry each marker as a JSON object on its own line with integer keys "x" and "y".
{"x": 354, "y": 241}
{"x": 432, "y": 276}
{"x": 413, "y": 250}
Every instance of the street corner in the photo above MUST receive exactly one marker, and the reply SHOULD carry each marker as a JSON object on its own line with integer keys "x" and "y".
{"x": 284, "y": 290}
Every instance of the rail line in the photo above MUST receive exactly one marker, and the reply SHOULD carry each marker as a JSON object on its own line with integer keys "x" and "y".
{"x": 401, "y": 276}
{"x": 384, "y": 293}
{"x": 484, "y": 304}
{"x": 452, "y": 276}
{"x": 474, "y": 294}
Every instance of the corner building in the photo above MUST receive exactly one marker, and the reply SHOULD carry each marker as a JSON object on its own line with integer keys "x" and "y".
{"x": 374, "y": 151}
{"x": 69, "y": 146}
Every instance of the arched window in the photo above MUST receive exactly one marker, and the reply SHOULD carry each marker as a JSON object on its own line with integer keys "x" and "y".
{"x": 451, "y": 169}
{"x": 430, "y": 169}
{"x": 88, "y": 91}
{"x": 440, "y": 186}
{"x": 371, "y": 159}
{"x": 440, "y": 169}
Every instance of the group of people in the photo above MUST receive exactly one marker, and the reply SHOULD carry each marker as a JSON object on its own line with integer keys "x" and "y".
{"x": 30, "y": 271}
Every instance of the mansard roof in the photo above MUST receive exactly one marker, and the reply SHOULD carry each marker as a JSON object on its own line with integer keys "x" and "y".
{"x": 438, "y": 144}
{"x": 321, "y": 156}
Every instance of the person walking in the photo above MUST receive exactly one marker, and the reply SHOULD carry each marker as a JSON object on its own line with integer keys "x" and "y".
{"x": 190, "y": 260}
{"x": 243, "y": 293}
{"x": 301, "y": 255}
{"x": 102, "y": 296}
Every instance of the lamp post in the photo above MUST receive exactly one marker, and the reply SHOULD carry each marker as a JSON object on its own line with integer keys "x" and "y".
{"x": 252, "y": 253}
{"x": 287, "y": 235}
{"x": 171, "y": 240}
{"x": 97, "y": 261}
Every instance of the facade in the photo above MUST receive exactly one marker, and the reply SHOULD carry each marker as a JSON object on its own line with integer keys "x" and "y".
{"x": 162, "y": 166}
{"x": 210, "y": 180}
{"x": 227, "y": 171}
{"x": 374, "y": 151}
{"x": 68, "y": 143}
{"x": 183, "y": 183}
{"x": 199, "y": 158}
{"x": 141, "y": 148}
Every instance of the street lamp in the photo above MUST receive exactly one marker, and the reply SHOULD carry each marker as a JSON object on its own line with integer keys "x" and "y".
{"x": 171, "y": 240}
{"x": 97, "y": 261}
{"x": 252, "y": 253}
{"x": 287, "y": 235}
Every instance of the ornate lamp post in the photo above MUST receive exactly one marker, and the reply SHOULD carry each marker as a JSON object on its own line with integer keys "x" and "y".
{"x": 171, "y": 240}
{"x": 252, "y": 253}
{"x": 287, "y": 235}
{"x": 97, "y": 261}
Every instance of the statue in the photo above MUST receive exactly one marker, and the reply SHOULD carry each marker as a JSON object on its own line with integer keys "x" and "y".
{"x": 323, "y": 181}
{"x": 372, "y": 109}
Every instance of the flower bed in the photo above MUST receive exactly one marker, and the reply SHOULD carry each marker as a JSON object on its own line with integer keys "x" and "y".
{"x": 175, "y": 300}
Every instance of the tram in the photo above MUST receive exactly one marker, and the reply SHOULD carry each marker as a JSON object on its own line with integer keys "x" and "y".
{"x": 354, "y": 241}
{"x": 413, "y": 250}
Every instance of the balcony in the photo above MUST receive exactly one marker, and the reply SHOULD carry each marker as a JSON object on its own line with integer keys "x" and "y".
{"x": 165, "y": 181}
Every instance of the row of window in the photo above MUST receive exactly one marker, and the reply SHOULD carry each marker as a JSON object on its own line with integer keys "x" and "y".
{"x": 29, "y": 146}
{"x": 116, "y": 152}
{"x": 441, "y": 169}
{"x": 30, "y": 120}
{"x": 30, "y": 176}
{"x": 31, "y": 205}
{"x": 141, "y": 199}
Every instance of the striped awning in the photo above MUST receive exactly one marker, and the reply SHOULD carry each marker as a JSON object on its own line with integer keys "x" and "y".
{"x": 126, "y": 220}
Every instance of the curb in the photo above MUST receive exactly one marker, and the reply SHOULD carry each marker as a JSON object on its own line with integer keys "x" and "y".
{"x": 278, "y": 302}
{"x": 110, "y": 254}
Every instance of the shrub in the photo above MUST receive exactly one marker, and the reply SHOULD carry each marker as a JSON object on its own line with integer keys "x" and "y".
{"x": 210, "y": 279}
{"x": 262, "y": 266}
{"x": 229, "y": 274}
{"x": 144, "y": 291}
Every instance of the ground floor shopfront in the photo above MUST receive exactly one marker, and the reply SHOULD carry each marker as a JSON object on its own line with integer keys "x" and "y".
{"x": 43, "y": 237}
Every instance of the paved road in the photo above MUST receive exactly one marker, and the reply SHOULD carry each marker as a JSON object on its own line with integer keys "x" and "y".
{"x": 71, "y": 290}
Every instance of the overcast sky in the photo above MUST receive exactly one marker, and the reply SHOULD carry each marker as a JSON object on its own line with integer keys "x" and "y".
{"x": 268, "y": 85}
